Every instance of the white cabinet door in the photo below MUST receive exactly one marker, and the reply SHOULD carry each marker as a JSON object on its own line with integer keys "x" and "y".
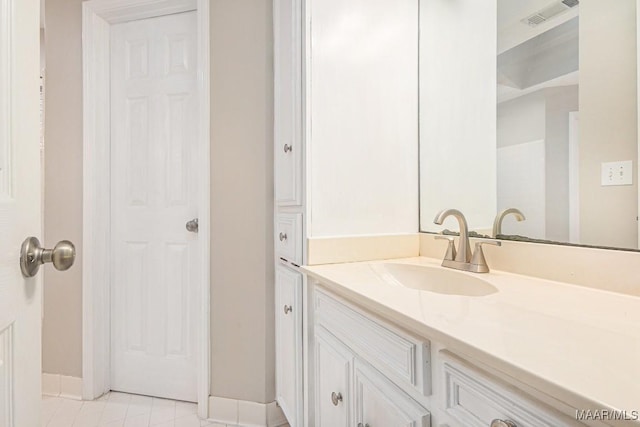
{"x": 20, "y": 213}
{"x": 380, "y": 403}
{"x": 289, "y": 344}
{"x": 333, "y": 362}
{"x": 287, "y": 93}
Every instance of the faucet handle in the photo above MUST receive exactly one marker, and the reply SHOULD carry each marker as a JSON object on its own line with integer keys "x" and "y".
{"x": 451, "y": 249}
{"x": 478, "y": 260}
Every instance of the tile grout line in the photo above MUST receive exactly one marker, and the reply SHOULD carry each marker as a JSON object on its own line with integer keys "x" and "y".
{"x": 86, "y": 414}
{"x": 75, "y": 417}
{"x": 61, "y": 401}
{"x": 102, "y": 412}
{"x": 108, "y": 398}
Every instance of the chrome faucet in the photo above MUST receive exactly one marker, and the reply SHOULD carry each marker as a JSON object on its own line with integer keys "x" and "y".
{"x": 497, "y": 223}
{"x": 461, "y": 259}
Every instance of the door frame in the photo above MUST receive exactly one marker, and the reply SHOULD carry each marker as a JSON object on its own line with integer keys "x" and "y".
{"x": 97, "y": 18}
{"x": 574, "y": 177}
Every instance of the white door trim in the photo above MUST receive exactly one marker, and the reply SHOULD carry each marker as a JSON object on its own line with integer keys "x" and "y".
{"x": 97, "y": 18}
{"x": 574, "y": 177}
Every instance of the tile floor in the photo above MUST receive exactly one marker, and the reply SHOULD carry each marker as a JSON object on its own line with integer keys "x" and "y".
{"x": 120, "y": 410}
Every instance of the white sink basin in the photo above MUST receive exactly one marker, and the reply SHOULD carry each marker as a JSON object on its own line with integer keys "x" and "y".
{"x": 435, "y": 279}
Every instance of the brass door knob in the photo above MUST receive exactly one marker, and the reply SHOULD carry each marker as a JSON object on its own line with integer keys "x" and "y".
{"x": 33, "y": 255}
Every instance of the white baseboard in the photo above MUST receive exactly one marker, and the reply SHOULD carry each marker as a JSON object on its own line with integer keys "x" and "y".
{"x": 245, "y": 413}
{"x": 62, "y": 385}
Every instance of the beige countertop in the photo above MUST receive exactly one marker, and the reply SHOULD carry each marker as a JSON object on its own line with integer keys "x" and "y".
{"x": 579, "y": 345}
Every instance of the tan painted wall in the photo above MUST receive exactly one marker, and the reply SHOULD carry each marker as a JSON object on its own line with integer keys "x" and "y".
{"x": 608, "y": 115}
{"x": 62, "y": 328}
{"x": 242, "y": 194}
{"x": 242, "y": 200}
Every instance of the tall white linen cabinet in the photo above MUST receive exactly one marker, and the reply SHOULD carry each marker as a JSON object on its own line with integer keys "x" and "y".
{"x": 289, "y": 155}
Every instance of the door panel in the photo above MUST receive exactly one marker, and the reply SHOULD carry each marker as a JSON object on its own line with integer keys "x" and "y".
{"x": 380, "y": 403}
{"x": 6, "y": 376}
{"x": 153, "y": 194}
{"x": 20, "y": 213}
{"x": 289, "y": 344}
{"x": 333, "y": 375}
{"x": 287, "y": 94}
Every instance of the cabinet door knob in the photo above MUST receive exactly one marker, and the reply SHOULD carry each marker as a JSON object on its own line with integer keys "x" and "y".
{"x": 363, "y": 425}
{"x": 288, "y": 309}
{"x": 283, "y": 237}
{"x": 288, "y": 148}
{"x": 336, "y": 398}
{"x": 503, "y": 423}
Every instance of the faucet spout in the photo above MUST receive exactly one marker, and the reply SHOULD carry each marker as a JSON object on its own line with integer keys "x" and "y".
{"x": 464, "y": 251}
{"x": 497, "y": 223}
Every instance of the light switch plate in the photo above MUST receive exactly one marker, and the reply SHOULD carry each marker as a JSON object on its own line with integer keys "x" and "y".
{"x": 617, "y": 173}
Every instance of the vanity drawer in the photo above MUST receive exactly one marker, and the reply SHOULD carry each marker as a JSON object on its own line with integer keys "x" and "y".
{"x": 288, "y": 237}
{"x": 401, "y": 357}
{"x": 475, "y": 398}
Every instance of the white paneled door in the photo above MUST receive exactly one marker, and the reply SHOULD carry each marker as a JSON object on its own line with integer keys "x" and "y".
{"x": 20, "y": 299}
{"x": 153, "y": 194}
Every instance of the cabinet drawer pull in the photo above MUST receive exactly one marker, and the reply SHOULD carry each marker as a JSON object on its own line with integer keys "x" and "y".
{"x": 336, "y": 398}
{"x": 288, "y": 309}
{"x": 503, "y": 423}
{"x": 283, "y": 237}
{"x": 288, "y": 148}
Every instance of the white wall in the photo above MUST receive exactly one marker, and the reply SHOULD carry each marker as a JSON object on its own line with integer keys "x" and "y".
{"x": 363, "y": 147}
{"x": 458, "y": 50}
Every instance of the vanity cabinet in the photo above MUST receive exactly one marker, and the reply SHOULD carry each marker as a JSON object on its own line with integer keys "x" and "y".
{"x": 369, "y": 372}
{"x": 404, "y": 358}
{"x": 288, "y": 314}
{"x": 366, "y": 370}
{"x": 349, "y": 392}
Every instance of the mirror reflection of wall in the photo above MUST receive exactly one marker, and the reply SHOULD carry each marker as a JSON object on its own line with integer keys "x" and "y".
{"x": 538, "y": 81}
{"x": 566, "y": 121}
{"x": 544, "y": 168}
{"x": 608, "y": 121}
